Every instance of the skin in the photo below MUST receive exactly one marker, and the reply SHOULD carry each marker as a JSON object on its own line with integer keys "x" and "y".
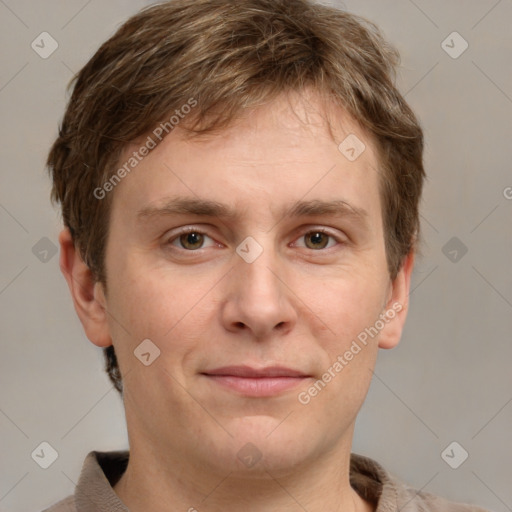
{"x": 300, "y": 304}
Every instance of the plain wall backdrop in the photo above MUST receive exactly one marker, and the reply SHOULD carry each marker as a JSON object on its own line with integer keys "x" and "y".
{"x": 448, "y": 380}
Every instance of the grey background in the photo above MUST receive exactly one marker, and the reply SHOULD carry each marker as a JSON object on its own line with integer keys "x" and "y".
{"x": 448, "y": 380}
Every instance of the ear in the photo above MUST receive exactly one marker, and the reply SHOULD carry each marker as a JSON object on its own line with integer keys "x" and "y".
{"x": 88, "y": 296}
{"x": 397, "y": 305}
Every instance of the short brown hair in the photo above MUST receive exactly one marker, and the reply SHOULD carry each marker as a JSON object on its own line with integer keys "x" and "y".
{"x": 230, "y": 56}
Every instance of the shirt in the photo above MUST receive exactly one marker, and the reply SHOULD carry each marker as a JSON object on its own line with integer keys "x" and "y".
{"x": 102, "y": 470}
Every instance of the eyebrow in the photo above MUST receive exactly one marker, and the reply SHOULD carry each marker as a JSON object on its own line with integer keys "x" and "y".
{"x": 209, "y": 208}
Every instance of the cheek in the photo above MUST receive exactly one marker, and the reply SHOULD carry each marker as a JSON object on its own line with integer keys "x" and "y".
{"x": 165, "y": 309}
{"x": 350, "y": 308}
{"x": 348, "y": 305}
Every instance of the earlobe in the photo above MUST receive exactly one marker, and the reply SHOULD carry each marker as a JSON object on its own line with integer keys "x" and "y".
{"x": 88, "y": 297}
{"x": 398, "y": 305}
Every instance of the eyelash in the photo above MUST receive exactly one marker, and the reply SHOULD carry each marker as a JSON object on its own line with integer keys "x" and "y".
{"x": 192, "y": 229}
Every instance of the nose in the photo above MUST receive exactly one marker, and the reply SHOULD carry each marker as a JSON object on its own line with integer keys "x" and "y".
{"x": 258, "y": 298}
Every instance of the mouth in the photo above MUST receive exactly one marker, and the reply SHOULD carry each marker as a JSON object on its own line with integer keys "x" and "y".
{"x": 254, "y": 382}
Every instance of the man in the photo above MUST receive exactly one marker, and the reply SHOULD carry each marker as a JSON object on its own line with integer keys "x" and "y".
{"x": 239, "y": 184}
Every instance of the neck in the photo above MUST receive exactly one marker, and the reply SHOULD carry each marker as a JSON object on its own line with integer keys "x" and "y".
{"x": 154, "y": 481}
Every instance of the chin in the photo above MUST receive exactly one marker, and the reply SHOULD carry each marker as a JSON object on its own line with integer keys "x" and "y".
{"x": 263, "y": 443}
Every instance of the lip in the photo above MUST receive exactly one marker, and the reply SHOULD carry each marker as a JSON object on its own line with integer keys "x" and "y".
{"x": 249, "y": 372}
{"x": 254, "y": 382}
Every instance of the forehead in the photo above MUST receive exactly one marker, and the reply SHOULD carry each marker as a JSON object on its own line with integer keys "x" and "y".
{"x": 288, "y": 121}
{"x": 296, "y": 147}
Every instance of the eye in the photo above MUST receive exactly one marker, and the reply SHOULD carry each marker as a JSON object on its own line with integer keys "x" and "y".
{"x": 318, "y": 239}
{"x": 190, "y": 239}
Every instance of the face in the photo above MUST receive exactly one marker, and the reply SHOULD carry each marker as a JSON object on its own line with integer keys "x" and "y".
{"x": 220, "y": 254}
